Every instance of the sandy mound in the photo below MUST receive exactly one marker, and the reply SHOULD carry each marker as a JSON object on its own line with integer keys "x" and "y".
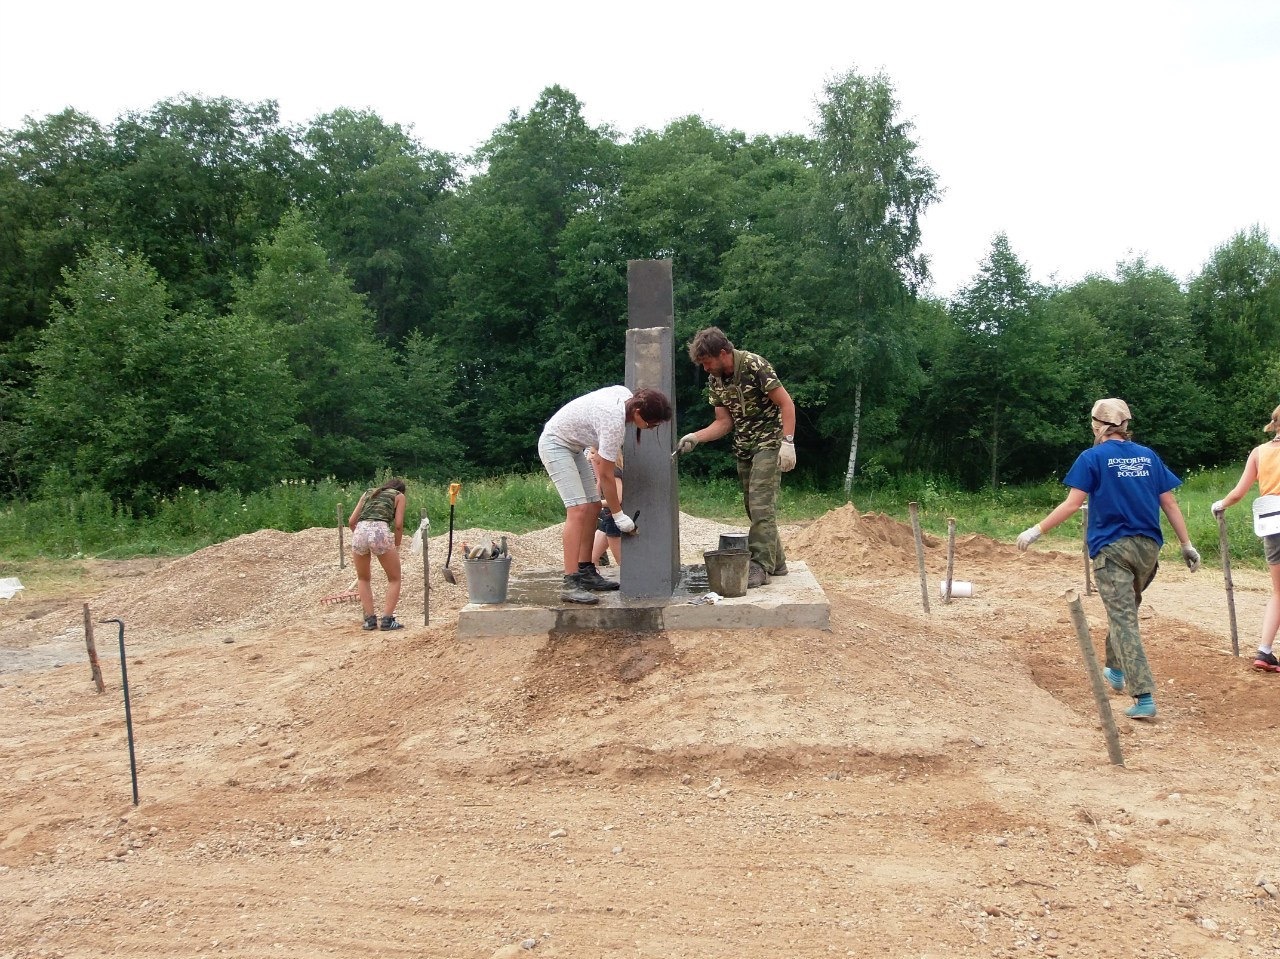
{"x": 908, "y": 783}
{"x": 270, "y": 579}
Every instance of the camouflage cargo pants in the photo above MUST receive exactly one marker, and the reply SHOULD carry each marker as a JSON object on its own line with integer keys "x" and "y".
{"x": 1121, "y": 571}
{"x": 760, "y": 479}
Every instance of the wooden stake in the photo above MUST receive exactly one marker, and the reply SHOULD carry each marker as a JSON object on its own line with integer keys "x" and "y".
{"x": 1225, "y": 547}
{"x": 95, "y": 670}
{"x": 915, "y": 528}
{"x": 1095, "y": 678}
{"x": 342, "y": 552}
{"x": 426, "y": 569}
{"x": 951, "y": 557}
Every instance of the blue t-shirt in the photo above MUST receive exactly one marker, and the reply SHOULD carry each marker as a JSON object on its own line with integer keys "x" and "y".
{"x": 1124, "y": 481}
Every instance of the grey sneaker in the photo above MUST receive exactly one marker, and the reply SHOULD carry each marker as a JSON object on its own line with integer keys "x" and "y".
{"x": 370, "y": 622}
{"x": 756, "y": 576}
{"x": 1266, "y": 662}
{"x": 591, "y": 579}
{"x": 390, "y": 622}
{"x": 573, "y": 592}
{"x": 780, "y": 569}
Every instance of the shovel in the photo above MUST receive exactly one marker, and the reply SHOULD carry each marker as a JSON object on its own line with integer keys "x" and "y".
{"x": 453, "y": 499}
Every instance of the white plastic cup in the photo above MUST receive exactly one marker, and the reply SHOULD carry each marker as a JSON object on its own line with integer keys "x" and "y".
{"x": 959, "y": 588}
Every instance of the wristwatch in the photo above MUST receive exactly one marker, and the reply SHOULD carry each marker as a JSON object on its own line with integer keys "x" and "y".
{"x": 789, "y": 438}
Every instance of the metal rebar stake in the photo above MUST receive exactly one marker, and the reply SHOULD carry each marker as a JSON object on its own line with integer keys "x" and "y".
{"x": 128, "y": 715}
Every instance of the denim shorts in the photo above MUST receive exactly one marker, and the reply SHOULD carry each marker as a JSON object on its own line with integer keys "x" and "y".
{"x": 606, "y": 524}
{"x": 571, "y": 472}
{"x": 1271, "y": 546}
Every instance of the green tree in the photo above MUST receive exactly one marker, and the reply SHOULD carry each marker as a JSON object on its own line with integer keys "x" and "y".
{"x": 126, "y": 399}
{"x": 325, "y": 332}
{"x": 1235, "y": 306}
{"x": 508, "y": 330}
{"x": 873, "y": 189}
{"x": 1152, "y": 357}
{"x": 196, "y": 183}
{"x": 418, "y": 439}
{"x": 51, "y": 208}
{"x": 377, "y": 198}
{"x": 1000, "y": 381}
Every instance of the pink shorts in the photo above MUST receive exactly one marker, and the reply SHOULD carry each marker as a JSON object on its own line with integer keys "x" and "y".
{"x": 372, "y": 536}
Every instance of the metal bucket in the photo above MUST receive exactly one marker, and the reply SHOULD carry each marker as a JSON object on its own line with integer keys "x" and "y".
{"x": 727, "y": 571}
{"x": 733, "y": 541}
{"x": 487, "y": 579}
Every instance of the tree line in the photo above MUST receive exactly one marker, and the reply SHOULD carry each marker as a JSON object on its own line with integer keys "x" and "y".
{"x": 199, "y": 295}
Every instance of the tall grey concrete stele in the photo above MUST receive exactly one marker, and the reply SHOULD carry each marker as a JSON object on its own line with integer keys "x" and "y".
{"x": 651, "y": 559}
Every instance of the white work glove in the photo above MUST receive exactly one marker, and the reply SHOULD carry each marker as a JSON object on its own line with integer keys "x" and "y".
{"x": 624, "y": 522}
{"x": 787, "y": 456}
{"x": 1028, "y": 537}
{"x": 1218, "y": 508}
{"x": 688, "y": 443}
{"x": 1191, "y": 556}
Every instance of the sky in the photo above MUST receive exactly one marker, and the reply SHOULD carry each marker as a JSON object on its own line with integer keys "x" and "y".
{"x": 1089, "y": 134}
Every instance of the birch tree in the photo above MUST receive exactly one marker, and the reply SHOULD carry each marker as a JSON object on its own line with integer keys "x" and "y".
{"x": 872, "y": 190}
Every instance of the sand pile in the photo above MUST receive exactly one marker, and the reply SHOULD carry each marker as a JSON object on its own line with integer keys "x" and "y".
{"x": 271, "y": 578}
{"x": 844, "y": 541}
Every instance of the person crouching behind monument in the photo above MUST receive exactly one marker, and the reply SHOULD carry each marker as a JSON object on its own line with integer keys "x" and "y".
{"x": 750, "y": 402}
{"x": 598, "y": 420}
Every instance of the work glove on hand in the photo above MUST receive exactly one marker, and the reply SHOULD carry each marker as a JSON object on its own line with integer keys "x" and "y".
{"x": 624, "y": 522}
{"x": 1218, "y": 508}
{"x": 688, "y": 443}
{"x": 1191, "y": 556}
{"x": 1028, "y": 537}
{"x": 787, "y": 456}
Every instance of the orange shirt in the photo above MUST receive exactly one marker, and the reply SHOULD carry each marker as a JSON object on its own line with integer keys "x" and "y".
{"x": 1269, "y": 469}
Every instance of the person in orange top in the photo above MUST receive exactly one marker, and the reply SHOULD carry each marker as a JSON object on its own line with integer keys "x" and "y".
{"x": 1263, "y": 467}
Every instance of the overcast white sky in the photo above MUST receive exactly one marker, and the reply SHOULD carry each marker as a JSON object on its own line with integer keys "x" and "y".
{"x": 1089, "y": 133}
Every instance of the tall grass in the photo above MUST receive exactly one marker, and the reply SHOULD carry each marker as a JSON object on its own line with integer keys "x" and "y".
{"x": 91, "y": 524}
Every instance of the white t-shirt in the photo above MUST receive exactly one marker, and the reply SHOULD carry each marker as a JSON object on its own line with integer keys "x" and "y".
{"x": 596, "y": 419}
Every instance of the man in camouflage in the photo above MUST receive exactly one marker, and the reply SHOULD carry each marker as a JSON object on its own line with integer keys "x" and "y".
{"x": 750, "y": 402}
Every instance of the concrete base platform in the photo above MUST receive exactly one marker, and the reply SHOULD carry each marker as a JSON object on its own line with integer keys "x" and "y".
{"x": 533, "y": 607}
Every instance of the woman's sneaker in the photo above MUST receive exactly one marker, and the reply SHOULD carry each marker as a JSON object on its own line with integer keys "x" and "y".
{"x": 1266, "y": 662}
{"x": 390, "y": 622}
{"x": 1144, "y": 707}
{"x": 370, "y": 622}
{"x": 1114, "y": 678}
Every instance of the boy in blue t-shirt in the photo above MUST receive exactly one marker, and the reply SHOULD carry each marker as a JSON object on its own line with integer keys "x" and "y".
{"x": 1127, "y": 486}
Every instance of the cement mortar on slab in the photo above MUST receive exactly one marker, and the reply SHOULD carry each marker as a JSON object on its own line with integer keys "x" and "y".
{"x": 533, "y": 607}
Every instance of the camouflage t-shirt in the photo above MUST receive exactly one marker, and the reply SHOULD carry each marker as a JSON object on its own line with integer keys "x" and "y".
{"x": 757, "y": 420}
{"x": 378, "y": 507}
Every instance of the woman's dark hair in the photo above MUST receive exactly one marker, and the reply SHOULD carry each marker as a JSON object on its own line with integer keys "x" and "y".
{"x": 653, "y": 405}
{"x": 395, "y": 483}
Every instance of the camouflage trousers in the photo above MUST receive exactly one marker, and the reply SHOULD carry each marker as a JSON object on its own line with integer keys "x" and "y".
{"x": 760, "y": 479}
{"x": 1121, "y": 571}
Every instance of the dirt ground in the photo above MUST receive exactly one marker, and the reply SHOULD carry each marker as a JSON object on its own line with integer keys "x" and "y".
{"x": 906, "y": 784}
